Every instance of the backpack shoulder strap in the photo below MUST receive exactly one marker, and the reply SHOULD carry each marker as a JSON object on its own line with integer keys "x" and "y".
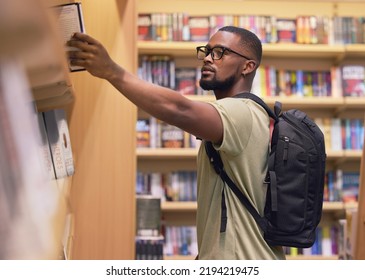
{"x": 258, "y": 100}
{"x": 216, "y": 161}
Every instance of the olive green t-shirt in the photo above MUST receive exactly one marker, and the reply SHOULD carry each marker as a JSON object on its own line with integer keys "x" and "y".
{"x": 244, "y": 152}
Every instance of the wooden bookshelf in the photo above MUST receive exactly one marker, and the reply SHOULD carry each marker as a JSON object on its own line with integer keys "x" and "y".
{"x": 102, "y": 128}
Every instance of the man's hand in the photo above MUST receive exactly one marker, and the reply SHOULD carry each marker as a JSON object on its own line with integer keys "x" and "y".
{"x": 92, "y": 55}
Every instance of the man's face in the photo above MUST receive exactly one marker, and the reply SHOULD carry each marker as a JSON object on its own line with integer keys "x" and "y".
{"x": 222, "y": 74}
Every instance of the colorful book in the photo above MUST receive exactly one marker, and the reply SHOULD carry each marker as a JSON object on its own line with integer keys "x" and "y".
{"x": 199, "y": 28}
{"x": 143, "y": 133}
{"x": 353, "y": 80}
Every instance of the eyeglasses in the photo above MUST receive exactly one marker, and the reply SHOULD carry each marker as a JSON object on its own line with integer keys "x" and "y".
{"x": 215, "y": 52}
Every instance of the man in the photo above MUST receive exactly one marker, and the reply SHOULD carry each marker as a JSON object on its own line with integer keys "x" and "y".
{"x": 239, "y": 129}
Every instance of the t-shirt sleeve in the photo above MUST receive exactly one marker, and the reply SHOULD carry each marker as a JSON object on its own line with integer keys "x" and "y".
{"x": 237, "y": 124}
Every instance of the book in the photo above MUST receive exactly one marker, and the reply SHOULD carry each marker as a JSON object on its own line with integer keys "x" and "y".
{"x": 66, "y": 140}
{"x": 143, "y": 133}
{"x": 286, "y": 30}
{"x": 45, "y": 147}
{"x": 171, "y": 136}
{"x": 70, "y": 20}
{"x": 148, "y": 215}
{"x": 149, "y": 247}
{"x": 185, "y": 80}
{"x": 353, "y": 80}
{"x": 199, "y": 28}
{"x": 350, "y": 186}
{"x": 59, "y": 141}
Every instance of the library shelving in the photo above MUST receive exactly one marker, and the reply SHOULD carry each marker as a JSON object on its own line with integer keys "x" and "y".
{"x": 32, "y": 54}
{"x": 100, "y": 195}
{"x": 320, "y": 57}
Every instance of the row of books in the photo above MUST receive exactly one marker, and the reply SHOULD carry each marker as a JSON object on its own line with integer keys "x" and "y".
{"x": 347, "y": 80}
{"x": 270, "y": 81}
{"x": 161, "y": 70}
{"x": 149, "y": 248}
{"x": 153, "y": 133}
{"x": 341, "y": 185}
{"x": 174, "y": 186}
{"x": 342, "y": 133}
{"x": 304, "y": 29}
{"x": 56, "y": 143}
{"x": 180, "y": 240}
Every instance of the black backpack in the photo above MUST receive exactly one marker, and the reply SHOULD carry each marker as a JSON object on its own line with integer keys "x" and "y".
{"x": 295, "y": 179}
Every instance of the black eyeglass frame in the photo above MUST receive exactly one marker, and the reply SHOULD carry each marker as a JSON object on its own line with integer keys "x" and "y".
{"x": 210, "y": 51}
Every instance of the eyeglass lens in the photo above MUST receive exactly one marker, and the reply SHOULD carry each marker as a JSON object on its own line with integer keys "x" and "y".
{"x": 216, "y": 52}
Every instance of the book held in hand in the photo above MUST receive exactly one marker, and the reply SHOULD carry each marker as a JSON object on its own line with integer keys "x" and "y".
{"x": 70, "y": 20}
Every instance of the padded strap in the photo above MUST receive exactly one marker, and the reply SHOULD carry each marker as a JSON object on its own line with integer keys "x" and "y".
{"x": 223, "y": 213}
{"x": 258, "y": 100}
{"x": 216, "y": 160}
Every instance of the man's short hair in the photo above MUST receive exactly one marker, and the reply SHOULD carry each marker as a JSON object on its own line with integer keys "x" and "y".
{"x": 249, "y": 41}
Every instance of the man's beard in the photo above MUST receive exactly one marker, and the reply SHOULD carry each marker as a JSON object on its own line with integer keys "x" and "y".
{"x": 214, "y": 84}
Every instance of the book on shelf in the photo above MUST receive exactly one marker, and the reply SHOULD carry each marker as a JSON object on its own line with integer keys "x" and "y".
{"x": 172, "y": 136}
{"x": 45, "y": 147}
{"x": 144, "y": 23}
{"x": 286, "y": 30}
{"x": 148, "y": 215}
{"x": 143, "y": 133}
{"x": 180, "y": 240}
{"x": 350, "y": 186}
{"x": 347, "y": 235}
{"x": 199, "y": 28}
{"x": 342, "y": 185}
{"x": 60, "y": 143}
{"x": 149, "y": 247}
{"x": 353, "y": 80}
{"x": 70, "y": 20}
{"x": 186, "y": 80}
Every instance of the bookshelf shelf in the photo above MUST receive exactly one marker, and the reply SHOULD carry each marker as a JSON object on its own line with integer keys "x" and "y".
{"x": 57, "y": 101}
{"x": 337, "y": 104}
{"x": 335, "y": 52}
{"x": 178, "y": 206}
{"x": 355, "y": 50}
{"x": 165, "y": 154}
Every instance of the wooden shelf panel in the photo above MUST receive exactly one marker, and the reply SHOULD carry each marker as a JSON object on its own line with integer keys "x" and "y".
{"x": 181, "y": 206}
{"x": 166, "y": 153}
{"x": 337, "y": 104}
{"x": 188, "y": 206}
{"x": 163, "y": 154}
{"x": 335, "y": 52}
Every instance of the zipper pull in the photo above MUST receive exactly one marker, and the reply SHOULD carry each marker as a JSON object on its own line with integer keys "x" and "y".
{"x": 286, "y": 148}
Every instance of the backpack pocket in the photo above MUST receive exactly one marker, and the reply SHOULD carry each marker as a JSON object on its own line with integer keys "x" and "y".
{"x": 291, "y": 172}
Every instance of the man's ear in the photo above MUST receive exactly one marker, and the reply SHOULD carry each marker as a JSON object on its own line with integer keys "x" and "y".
{"x": 249, "y": 67}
